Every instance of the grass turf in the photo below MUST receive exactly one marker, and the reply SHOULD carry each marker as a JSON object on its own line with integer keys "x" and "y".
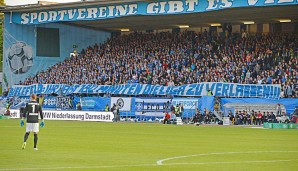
{"x": 73, "y": 145}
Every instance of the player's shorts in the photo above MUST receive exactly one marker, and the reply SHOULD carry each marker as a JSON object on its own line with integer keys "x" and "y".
{"x": 32, "y": 127}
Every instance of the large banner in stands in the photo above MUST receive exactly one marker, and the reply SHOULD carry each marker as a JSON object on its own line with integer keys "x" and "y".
{"x": 124, "y": 103}
{"x": 71, "y": 115}
{"x": 187, "y": 103}
{"x": 161, "y": 7}
{"x": 199, "y": 89}
{"x": 88, "y": 103}
{"x": 153, "y": 107}
{"x": 15, "y": 113}
{"x": 50, "y": 102}
{"x": 92, "y": 103}
{"x": 153, "y": 104}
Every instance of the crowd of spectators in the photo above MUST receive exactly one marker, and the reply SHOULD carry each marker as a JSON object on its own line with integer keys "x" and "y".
{"x": 258, "y": 118}
{"x": 182, "y": 58}
{"x": 206, "y": 117}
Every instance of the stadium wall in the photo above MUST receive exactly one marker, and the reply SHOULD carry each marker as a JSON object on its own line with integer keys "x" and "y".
{"x": 150, "y": 106}
{"x": 16, "y": 70}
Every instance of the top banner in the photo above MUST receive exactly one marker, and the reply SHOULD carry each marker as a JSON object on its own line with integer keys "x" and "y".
{"x": 199, "y": 89}
{"x": 138, "y": 8}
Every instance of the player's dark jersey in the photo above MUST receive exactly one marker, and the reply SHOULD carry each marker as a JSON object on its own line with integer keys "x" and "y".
{"x": 31, "y": 111}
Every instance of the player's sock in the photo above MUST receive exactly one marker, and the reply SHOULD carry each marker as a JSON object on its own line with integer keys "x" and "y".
{"x": 26, "y": 136}
{"x": 35, "y": 140}
{"x": 24, "y": 145}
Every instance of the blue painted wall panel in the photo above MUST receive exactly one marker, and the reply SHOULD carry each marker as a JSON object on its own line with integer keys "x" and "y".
{"x": 69, "y": 35}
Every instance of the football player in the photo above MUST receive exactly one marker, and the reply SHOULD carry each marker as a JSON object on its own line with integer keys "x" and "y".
{"x": 32, "y": 111}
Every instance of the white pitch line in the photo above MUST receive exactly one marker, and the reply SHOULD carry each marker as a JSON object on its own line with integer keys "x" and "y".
{"x": 76, "y": 167}
{"x": 170, "y": 164}
{"x": 160, "y": 162}
{"x": 240, "y": 162}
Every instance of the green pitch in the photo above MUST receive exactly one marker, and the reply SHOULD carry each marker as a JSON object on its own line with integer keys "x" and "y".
{"x": 73, "y": 145}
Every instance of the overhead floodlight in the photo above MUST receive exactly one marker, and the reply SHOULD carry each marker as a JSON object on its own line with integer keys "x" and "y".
{"x": 125, "y": 29}
{"x": 248, "y": 22}
{"x": 215, "y": 25}
{"x": 285, "y": 20}
{"x": 183, "y": 26}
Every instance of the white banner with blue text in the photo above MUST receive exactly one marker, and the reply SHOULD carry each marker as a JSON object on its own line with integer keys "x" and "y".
{"x": 161, "y": 7}
{"x": 197, "y": 90}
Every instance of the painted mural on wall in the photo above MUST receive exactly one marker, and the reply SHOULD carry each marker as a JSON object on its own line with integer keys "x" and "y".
{"x": 19, "y": 48}
{"x": 19, "y": 57}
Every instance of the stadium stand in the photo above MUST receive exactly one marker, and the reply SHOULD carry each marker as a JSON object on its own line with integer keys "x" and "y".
{"x": 182, "y": 58}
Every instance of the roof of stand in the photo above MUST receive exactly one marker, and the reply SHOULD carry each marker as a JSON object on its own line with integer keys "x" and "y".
{"x": 269, "y": 14}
